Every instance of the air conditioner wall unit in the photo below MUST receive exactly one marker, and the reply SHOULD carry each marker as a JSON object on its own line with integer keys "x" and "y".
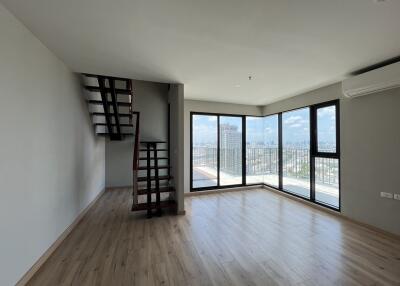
{"x": 384, "y": 78}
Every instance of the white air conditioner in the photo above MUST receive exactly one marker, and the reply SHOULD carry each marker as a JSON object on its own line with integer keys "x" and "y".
{"x": 384, "y": 78}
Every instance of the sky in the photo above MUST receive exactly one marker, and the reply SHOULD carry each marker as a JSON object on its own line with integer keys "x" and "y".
{"x": 295, "y": 128}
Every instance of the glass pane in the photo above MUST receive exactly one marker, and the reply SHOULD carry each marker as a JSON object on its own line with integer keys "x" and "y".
{"x": 254, "y": 150}
{"x": 230, "y": 150}
{"x": 327, "y": 181}
{"x": 296, "y": 151}
{"x": 326, "y": 129}
{"x": 271, "y": 153}
{"x": 205, "y": 133}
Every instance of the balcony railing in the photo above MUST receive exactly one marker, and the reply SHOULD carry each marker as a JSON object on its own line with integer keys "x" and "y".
{"x": 265, "y": 160}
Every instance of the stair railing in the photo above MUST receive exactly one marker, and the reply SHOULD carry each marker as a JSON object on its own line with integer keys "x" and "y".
{"x": 136, "y": 158}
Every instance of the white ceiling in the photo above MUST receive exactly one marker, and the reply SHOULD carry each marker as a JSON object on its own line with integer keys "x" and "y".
{"x": 212, "y": 46}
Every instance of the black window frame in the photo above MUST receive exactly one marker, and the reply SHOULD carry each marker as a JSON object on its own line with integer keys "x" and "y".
{"x": 218, "y": 186}
{"x": 314, "y": 153}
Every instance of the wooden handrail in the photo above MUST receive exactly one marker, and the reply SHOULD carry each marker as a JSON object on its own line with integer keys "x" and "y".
{"x": 136, "y": 145}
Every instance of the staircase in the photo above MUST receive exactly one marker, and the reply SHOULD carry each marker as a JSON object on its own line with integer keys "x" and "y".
{"x": 110, "y": 101}
{"x": 152, "y": 179}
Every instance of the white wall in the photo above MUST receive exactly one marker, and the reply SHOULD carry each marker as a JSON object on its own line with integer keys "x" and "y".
{"x": 51, "y": 165}
{"x": 370, "y": 152}
{"x": 151, "y": 100}
{"x": 211, "y": 107}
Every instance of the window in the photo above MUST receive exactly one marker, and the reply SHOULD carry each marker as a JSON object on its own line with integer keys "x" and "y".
{"x": 271, "y": 150}
{"x": 296, "y": 152}
{"x": 255, "y": 150}
{"x": 204, "y": 151}
{"x": 230, "y": 154}
{"x": 326, "y": 129}
{"x": 216, "y": 151}
{"x": 325, "y": 160}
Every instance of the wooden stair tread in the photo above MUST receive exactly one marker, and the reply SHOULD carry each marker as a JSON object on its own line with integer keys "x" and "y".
{"x": 113, "y": 124}
{"x": 153, "y": 178}
{"x": 163, "y": 204}
{"x": 106, "y": 76}
{"x": 153, "y": 190}
{"x": 153, "y": 167}
{"x": 103, "y": 114}
{"x": 152, "y": 141}
{"x": 106, "y": 133}
{"x": 143, "y": 150}
{"x": 117, "y": 90}
{"x": 152, "y": 158}
{"x": 99, "y": 102}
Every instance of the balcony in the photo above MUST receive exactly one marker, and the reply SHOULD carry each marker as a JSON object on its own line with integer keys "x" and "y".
{"x": 262, "y": 167}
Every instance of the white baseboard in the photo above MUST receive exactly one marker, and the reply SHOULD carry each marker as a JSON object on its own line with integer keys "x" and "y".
{"x": 29, "y": 274}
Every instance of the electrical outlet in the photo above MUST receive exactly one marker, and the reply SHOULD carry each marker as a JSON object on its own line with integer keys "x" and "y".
{"x": 387, "y": 195}
{"x": 396, "y": 197}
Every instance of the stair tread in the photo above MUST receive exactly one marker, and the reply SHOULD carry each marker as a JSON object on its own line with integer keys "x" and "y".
{"x": 117, "y": 90}
{"x": 153, "y": 178}
{"x": 113, "y": 124}
{"x": 152, "y": 141}
{"x": 163, "y": 205}
{"x": 99, "y": 102}
{"x": 122, "y": 133}
{"x": 153, "y": 167}
{"x": 103, "y": 114}
{"x": 153, "y": 190}
{"x": 152, "y": 158}
{"x": 142, "y": 150}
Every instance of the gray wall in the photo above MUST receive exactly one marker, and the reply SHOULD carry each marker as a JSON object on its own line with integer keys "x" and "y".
{"x": 176, "y": 100}
{"x": 151, "y": 100}
{"x": 211, "y": 107}
{"x": 370, "y": 152}
{"x": 51, "y": 164}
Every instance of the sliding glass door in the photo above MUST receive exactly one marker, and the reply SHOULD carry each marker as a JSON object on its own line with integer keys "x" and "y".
{"x": 296, "y": 152}
{"x": 230, "y": 152}
{"x": 216, "y": 151}
{"x": 204, "y": 151}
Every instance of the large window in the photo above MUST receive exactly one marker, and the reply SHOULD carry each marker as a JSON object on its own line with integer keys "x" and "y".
{"x": 262, "y": 152}
{"x": 230, "y": 154}
{"x": 255, "y": 150}
{"x": 296, "y": 151}
{"x": 326, "y": 154}
{"x": 204, "y": 151}
{"x": 271, "y": 150}
{"x": 216, "y": 151}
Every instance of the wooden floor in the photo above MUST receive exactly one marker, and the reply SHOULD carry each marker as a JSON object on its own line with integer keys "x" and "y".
{"x": 250, "y": 237}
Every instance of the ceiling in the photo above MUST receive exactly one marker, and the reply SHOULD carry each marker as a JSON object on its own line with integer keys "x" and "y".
{"x": 213, "y": 46}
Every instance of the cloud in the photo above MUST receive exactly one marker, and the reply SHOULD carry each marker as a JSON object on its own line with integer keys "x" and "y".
{"x": 295, "y": 121}
{"x": 250, "y": 118}
{"x": 329, "y": 111}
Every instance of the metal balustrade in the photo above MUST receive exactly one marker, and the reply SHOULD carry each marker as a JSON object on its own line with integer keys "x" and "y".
{"x": 265, "y": 160}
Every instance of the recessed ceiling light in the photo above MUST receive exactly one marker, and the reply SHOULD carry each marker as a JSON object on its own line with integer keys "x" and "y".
{"x": 237, "y": 86}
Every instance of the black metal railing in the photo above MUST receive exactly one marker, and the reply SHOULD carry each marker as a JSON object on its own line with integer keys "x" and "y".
{"x": 265, "y": 160}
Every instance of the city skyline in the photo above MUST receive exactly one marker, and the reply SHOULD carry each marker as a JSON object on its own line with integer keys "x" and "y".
{"x": 263, "y": 131}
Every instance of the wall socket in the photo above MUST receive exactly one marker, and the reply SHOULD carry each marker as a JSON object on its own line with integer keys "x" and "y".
{"x": 387, "y": 195}
{"x": 396, "y": 197}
